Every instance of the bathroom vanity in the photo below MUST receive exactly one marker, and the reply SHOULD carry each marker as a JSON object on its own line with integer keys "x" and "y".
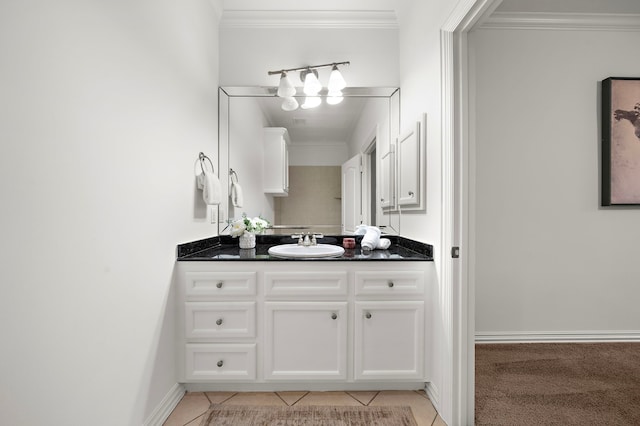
{"x": 250, "y": 321}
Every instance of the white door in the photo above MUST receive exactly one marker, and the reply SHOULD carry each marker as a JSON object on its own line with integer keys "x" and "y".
{"x": 351, "y": 194}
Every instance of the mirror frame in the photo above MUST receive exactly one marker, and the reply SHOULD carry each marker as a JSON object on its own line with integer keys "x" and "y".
{"x": 226, "y": 93}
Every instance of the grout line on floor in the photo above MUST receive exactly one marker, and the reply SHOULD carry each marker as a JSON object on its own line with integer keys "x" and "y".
{"x": 354, "y": 398}
{"x": 374, "y": 397}
{"x": 298, "y": 400}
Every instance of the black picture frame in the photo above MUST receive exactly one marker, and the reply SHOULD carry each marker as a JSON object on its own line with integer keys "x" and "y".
{"x": 620, "y": 168}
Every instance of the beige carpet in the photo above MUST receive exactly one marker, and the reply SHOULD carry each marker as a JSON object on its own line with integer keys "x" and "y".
{"x": 243, "y": 415}
{"x": 558, "y": 384}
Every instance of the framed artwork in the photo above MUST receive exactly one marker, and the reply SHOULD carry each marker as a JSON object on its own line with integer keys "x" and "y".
{"x": 620, "y": 141}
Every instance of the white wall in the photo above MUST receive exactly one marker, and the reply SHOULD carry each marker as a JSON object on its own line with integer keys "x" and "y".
{"x": 246, "y": 157}
{"x": 247, "y": 54}
{"x": 318, "y": 154}
{"x": 548, "y": 258}
{"x": 420, "y": 65}
{"x": 105, "y": 106}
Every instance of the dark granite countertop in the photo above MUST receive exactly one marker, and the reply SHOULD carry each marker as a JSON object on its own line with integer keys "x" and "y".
{"x": 226, "y": 248}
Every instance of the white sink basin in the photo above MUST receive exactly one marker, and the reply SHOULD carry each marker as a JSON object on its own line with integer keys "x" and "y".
{"x": 297, "y": 251}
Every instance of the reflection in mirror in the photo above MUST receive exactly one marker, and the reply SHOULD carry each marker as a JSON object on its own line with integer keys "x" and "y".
{"x": 313, "y": 170}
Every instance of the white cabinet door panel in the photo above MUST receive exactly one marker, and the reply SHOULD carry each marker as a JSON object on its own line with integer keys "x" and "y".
{"x": 389, "y": 340}
{"x": 305, "y": 341}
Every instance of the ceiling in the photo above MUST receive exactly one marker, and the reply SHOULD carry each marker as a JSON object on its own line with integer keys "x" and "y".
{"x": 326, "y": 123}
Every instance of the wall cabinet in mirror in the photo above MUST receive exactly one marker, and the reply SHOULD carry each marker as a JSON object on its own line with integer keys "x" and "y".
{"x": 411, "y": 168}
{"x": 387, "y": 179}
{"x": 276, "y": 161}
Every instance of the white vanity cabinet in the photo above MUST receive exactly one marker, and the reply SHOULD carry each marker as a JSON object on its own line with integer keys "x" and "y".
{"x": 217, "y": 325}
{"x": 389, "y": 325}
{"x": 314, "y": 325}
{"x": 275, "y": 169}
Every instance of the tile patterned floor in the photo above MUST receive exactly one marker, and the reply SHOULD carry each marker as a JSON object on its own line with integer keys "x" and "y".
{"x": 193, "y": 405}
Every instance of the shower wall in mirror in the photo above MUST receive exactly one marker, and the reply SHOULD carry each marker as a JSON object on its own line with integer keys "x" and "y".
{"x": 321, "y": 190}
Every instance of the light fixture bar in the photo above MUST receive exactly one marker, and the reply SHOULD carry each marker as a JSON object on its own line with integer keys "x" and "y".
{"x": 332, "y": 64}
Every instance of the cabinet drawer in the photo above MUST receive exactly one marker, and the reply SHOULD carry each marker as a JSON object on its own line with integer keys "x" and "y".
{"x": 220, "y": 362}
{"x": 389, "y": 284}
{"x": 305, "y": 283}
{"x": 218, "y": 319}
{"x": 200, "y": 285}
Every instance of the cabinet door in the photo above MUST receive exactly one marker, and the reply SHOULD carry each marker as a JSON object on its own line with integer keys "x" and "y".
{"x": 305, "y": 341}
{"x": 389, "y": 340}
{"x": 387, "y": 180}
{"x": 409, "y": 168}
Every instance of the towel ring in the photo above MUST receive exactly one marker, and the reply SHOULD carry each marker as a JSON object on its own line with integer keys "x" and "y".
{"x": 233, "y": 173}
{"x": 202, "y": 158}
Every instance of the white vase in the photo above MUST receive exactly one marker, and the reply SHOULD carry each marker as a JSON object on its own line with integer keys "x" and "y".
{"x": 247, "y": 240}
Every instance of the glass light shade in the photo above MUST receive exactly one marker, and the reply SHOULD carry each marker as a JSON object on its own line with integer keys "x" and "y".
{"x": 285, "y": 89}
{"x": 311, "y": 84}
{"x": 289, "y": 104}
{"x": 334, "y": 99}
{"x": 336, "y": 81}
{"x": 311, "y": 102}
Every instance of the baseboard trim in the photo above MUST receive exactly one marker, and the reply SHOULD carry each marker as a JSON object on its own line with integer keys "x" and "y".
{"x": 558, "y": 336}
{"x": 434, "y": 395}
{"x": 166, "y": 406}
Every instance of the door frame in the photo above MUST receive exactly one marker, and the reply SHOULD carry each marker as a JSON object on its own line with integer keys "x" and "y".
{"x": 457, "y": 297}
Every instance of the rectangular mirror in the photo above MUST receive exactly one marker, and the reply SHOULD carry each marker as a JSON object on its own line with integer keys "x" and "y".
{"x": 323, "y": 167}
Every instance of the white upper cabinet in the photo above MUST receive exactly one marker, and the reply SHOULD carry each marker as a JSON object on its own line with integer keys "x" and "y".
{"x": 387, "y": 180}
{"x": 275, "y": 170}
{"x": 411, "y": 168}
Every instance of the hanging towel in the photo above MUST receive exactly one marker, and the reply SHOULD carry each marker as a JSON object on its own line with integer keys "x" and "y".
{"x": 371, "y": 238}
{"x": 210, "y": 188}
{"x": 237, "y": 198}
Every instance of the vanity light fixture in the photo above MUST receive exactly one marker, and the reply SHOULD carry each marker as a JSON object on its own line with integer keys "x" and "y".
{"x": 311, "y": 102}
{"x": 289, "y": 104}
{"x": 311, "y": 86}
{"x": 285, "y": 89}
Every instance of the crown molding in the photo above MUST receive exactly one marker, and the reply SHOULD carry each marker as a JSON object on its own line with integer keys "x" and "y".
{"x": 324, "y": 19}
{"x": 217, "y": 9}
{"x": 562, "y": 21}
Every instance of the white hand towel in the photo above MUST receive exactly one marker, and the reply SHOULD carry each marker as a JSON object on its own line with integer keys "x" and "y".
{"x": 371, "y": 238}
{"x": 237, "y": 199}
{"x": 210, "y": 188}
{"x": 383, "y": 244}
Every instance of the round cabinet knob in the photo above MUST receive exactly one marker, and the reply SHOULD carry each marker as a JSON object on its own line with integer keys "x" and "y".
{"x": 368, "y": 315}
{"x": 390, "y": 284}
{"x": 220, "y": 363}
{"x": 334, "y": 316}
{"x": 219, "y": 321}
{"x": 411, "y": 194}
{"x": 219, "y": 285}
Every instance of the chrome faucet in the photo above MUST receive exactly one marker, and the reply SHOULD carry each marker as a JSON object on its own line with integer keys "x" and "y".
{"x": 309, "y": 239}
